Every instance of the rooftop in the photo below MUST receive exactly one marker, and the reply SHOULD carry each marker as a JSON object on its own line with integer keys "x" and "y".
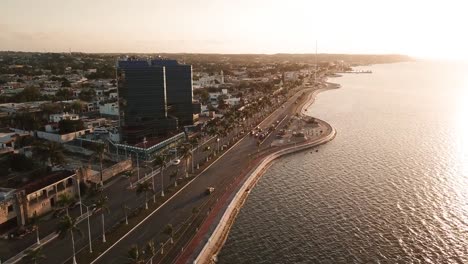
{"x": 46, "y": 181}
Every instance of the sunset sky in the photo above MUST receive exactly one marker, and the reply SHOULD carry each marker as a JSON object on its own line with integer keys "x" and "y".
{"x": 428, "y": 28}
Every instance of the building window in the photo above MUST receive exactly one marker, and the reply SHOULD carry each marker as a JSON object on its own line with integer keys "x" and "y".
{"x": 10, "y": 208}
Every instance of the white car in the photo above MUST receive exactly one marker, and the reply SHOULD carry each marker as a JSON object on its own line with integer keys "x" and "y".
{"x": 175, "y": 162}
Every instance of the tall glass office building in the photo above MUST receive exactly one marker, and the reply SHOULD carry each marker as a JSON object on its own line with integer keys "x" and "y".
{"x": 142, "y": 101}
{"x": 179, "y": 90}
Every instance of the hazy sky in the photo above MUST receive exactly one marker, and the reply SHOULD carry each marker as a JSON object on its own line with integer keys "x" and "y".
{"x": 413, "y": 27}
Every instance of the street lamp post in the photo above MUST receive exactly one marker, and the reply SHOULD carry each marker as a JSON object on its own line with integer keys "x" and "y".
{"x": 154, "y": 190}
{"x": 89, "y": 226}
{"x": 191, "y": 151}
{"x": 79, "y": 195}
{"x": 138, "y": 168}
{"x": 162, "y": 181}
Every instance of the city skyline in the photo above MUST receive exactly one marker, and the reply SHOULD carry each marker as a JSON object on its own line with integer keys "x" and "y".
{"x": 235, "y": 27}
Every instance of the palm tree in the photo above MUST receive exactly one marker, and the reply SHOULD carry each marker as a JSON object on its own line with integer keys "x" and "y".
{"x": 67, "y": 225}
{"x": 174, "y": 176}
{"x": 186, "y": 155}
{"x": 34, "y": 255}
{"x": 125, "y": 209}
{"x": 99, "y": 151}
{"x": 65, "y": 201}
{"x": 195, "y": 210}
{"x": 34, "y": 221}
{"x": 77, "y": 107}
{"x": 56, "y": 153}
{"x": 41, "y": 152}
{"x": 102, "y": 204}
{"x": 144, "y": 187}
{"x": 134, "y": 256}
{"x": 169, "y": 230}
{"x": 51, "y": 152}
{"x": 151, "y": 250}
{"x": 128, "y": 174}
{"x": 160, "y": 161}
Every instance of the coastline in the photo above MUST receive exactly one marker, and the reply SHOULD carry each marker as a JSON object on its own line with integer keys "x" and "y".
{"x": 216, "y": 241}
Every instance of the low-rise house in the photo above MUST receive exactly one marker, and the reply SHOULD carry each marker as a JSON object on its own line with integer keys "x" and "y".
{"x": 55, "y": 118}
{"x": 109, "y": 109}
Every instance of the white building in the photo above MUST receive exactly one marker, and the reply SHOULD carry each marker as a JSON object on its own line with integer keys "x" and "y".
{"x": 109, "y": 109}
{"x": 55, "y": 118}
{"x": 233, "y": 101}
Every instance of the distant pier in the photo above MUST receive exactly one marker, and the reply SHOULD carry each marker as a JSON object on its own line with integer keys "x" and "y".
{"x": 356, "y": 71}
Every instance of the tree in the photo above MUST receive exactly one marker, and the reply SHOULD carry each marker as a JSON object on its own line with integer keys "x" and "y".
{"x": 102, "y": 204}
{"x": 160, "y": 161}
{"x": 65, "y": 201}
{"x": 151, "y": 250}
{"x": 221, "y": 103}
{"x": 99, "y": 151}
{"x": 19, "y": 162}
{"x": 186, "y": 155}
{"x": 34, "y": 255}
{"x": 51, "y": 108}
{"x": 144, "y": 187}
{"x": 28, "y": 94}
{"x": 66, "y": 82}
{"x": 134, "y": 256}
{"x": 69, "y": 126}
{"x": 204, "y": 96}
{"x": 126, "y": 209}
{"x": 169, "y": 230}
{"x": 87, "y": 95}
{"x": 51, "y": 152}
{"x": 174, "y": 176}
{"x": 67, "y": 225}
{"x": 34, "y": 222}
{"x": 63, "y": 94}
{"x": 77, "y": 106}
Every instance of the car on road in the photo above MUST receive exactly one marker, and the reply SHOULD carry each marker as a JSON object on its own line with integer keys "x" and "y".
{"x": 209, "y": 190}
{"x": 175, "y": 162}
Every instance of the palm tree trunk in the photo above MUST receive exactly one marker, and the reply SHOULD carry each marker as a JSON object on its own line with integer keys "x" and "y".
{"x": 37, "y": 235}
{"x": 102, "y": 183}
{"x": 162, "y": 181}
{"x": 73, "y": 245}
{"x": 103, "y": 228}
{"x": 154, "y": 190}
{"x": 146, "y": 200}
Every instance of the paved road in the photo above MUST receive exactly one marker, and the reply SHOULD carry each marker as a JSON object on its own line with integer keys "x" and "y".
{"x": 180, "y": 207}
{"x": 177, "y": 210}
